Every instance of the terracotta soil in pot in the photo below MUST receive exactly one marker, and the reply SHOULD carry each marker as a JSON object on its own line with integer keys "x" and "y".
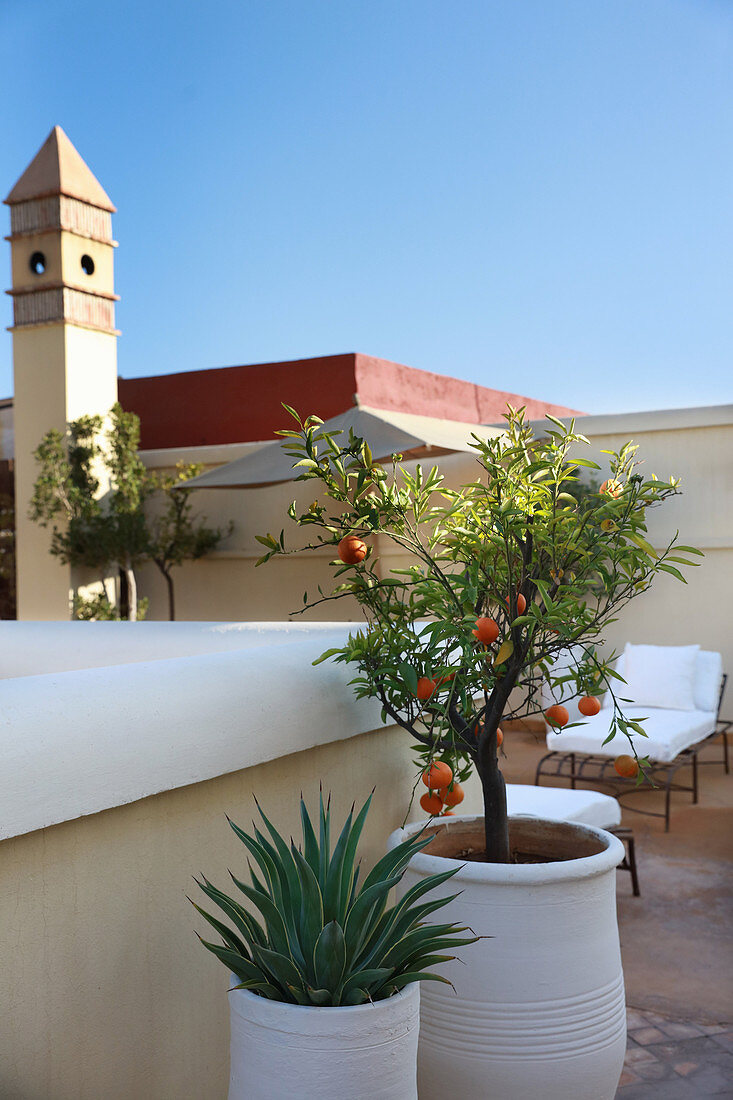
{"x": 530, "y": 841}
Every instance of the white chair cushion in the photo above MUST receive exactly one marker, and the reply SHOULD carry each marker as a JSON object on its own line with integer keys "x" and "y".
{"x": 708, "y": 678}
{"x": 660, "y": 676}
{"x": 668, "y": 733}
{"x": 561, "y": 804}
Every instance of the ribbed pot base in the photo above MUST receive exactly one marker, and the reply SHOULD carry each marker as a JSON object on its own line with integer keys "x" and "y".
{"x": 539, "y": 1011}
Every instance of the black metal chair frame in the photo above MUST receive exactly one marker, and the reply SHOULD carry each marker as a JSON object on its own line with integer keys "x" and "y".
{"x": 628, "y": 863}
{"x": 596, "y": 769}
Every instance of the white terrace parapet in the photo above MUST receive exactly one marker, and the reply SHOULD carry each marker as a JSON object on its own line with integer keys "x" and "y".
{"x": 31, "y": 648}
{"x": 96, "y": 715}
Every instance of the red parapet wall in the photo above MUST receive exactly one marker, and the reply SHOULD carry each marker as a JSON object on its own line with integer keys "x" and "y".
{"x": 393, "y": 386}
{"x": 242, "y": 404}
{"x": 236, "y": 404}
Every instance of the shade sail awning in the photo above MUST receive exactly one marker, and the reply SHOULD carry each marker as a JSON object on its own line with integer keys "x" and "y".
{"x": 386, "y": 433}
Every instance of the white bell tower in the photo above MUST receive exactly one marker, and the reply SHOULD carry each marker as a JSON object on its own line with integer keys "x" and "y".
{"x": 64, "y": 337}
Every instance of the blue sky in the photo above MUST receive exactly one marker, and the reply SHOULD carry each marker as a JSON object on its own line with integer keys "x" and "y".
{"x": 532, "y": 195}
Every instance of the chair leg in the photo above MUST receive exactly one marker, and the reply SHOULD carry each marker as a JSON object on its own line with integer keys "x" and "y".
{"x": 694, "y": 777}
{"x": 725, "y": 752}
{"x": 667, "y": 800}
{"x": 626, "y": 836}
{"x": 632, "y": 864}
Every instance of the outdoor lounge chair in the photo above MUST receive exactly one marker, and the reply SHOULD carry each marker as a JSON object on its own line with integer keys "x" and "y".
{"x": 580, "y": 806}
{"x": 675, "y": 734}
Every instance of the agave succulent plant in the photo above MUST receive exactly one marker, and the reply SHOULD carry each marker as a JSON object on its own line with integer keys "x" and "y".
{"x": 323, "y": 939}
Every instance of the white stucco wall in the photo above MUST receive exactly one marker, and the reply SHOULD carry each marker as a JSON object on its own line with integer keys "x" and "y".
{"x": 116, "y": 712}
{"x": 123, "y": 746}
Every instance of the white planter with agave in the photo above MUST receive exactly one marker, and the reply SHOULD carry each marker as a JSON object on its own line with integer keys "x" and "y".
{"x": 283, "y": 1051}
{"x": 539, "y": 1011}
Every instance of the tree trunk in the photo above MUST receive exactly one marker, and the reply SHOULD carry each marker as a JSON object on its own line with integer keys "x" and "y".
{"x": 496, "y": 827}
{"x": 131, "y": 591}
{"x": 171, "y": 595}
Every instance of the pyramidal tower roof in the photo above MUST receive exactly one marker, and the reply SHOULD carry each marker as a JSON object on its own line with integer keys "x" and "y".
{"x": 57, "y": 169}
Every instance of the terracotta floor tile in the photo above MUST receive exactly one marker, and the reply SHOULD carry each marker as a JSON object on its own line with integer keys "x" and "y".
{"x": 646, "y": 1035}
{"x": 639, "y": 1054}
{"x": 627, "y": 1078}
{"x": 654, "y": 1071}
{"x": 724, "y": 1039}
{"x": 680, "y": 1031}
{"x": 671, "y": 1089}
{"x": 656, "y": 1018}
{"x": 685, "y": 1068}
{"x": 635, "y": 1019}
{"x": 700, "y": 1049}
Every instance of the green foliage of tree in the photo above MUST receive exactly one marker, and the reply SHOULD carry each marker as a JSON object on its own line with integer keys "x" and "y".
{"x": 174, "y": 535}
{"x": 576, "y": 559}
{"x": 112, "y": 529}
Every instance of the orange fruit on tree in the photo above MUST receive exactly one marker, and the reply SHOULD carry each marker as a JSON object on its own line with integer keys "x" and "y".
{"x": 612, "y": 488}
{"x": 447, "y": 813}
{"x": 521, "y": 604}
{"x": 438, "y": 776}
{"x": 432, "y": 803}
{"x": 557, "y": 715}
{"x": 626, "y": 766}
{"x": 454, "y": 796}
{"x": 352, "y": 550}
{"x": 425, "y": 688}
{"x": 487, "y": 631}
{"x": 589, "y": 705}
{"x": 499, "y": 737}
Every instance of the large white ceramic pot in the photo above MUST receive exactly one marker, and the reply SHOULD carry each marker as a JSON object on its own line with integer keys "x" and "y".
{"x": 291, "y": 1052}
{"x": 538, "y": 1010}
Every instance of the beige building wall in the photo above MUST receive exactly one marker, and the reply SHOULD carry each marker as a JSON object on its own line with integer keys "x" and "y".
{"x": 108, "y": 993}
{"x": 695, "y": 445}
{"x": 701, "y": 454}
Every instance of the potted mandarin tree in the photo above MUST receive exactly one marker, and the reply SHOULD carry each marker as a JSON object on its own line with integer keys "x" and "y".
{"x": 325, "y": 976}
{"x": 500, "y": 576}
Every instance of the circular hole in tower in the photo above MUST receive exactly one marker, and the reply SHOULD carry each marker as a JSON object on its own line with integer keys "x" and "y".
{"x": 87, "y": 265}
{"x": 37, "y": 263}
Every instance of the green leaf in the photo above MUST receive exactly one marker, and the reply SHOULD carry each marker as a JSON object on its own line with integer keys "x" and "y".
{"x": 244, "y": 921}
{"x": 673, "y": 571}
{"x": 418, "y": 976}
{"x": 325, "y": 656}
{"x": 243, "y": 968}
{"x": 280, "y": 966}
{"x": 311, "y": 909}
{"x": 329, "y": 957}
{"x": 505, "y": 651}
{"x": 409, "y": 676}
{"x": 277, "y": 932}
{"x": 350, "y": 870}
{"x": 364, "y": 980}
{"x": 310, "y": 843}
{"x": 336, "y": 868}
{"x": 643, "y": 545}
